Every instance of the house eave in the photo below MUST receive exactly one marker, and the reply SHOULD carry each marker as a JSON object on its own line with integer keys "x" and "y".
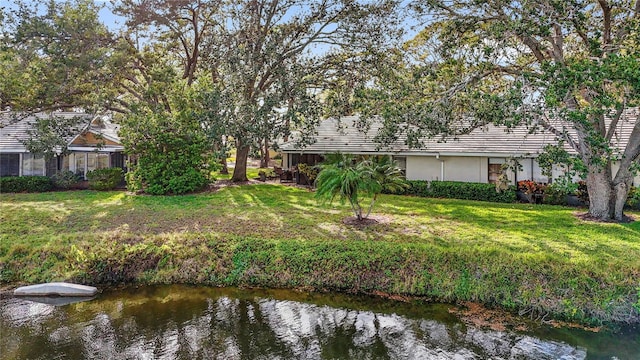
{"x": 418, "y": 153}
{"x": 96, "y": 149}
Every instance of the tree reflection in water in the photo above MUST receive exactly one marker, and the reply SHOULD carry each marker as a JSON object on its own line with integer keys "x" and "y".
{"x": 190, "y": 323}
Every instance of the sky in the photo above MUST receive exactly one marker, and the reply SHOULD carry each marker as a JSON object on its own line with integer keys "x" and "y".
{"x": 113, "y": 22}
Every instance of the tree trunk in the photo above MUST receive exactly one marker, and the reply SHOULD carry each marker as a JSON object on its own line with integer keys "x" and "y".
{"x": 264, "y": 162}
{"x": 223, "y": 157}
{"x": 600, "y": 193}
{"x": 240, "y": 171}
{"x": 620, "y": 191}
{"x": 225, "y": 168}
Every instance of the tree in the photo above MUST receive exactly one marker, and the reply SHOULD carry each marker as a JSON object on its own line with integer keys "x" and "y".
{"x": 262, "y": 61}
{"x": 169, "y": 150}
{"x": 571, "y": 68}
{"x": 345, "y": 177}
{"x": 54, "y": 56}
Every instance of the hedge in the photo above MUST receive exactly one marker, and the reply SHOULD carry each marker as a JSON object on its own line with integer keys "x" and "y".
{"x": 460, "y": 190}
{"x": 105, "y": 179}
{"x": 16, "y": 184}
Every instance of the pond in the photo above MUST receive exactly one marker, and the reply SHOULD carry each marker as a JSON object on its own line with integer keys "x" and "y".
{"x": 181, "y": 322}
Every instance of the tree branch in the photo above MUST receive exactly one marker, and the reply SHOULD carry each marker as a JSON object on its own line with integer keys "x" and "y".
{"x": 606, "y": 22}
{"x": 546, "y": 124}
{"x": 614, "y": 122}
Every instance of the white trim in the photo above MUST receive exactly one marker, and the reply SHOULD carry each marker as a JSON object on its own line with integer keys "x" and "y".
{"x": 409, "y": 153}
{"x": 93, "y": 149}
{"x": 108, "y": 137}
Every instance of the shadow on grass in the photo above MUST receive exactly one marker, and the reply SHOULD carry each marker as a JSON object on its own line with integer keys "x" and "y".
{"x": 272, "y": 211}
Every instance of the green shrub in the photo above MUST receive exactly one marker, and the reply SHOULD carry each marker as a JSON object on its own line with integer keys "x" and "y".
{"x": 171, "y": 153}
{"x": 555, "y": 195}
{"x": 418, "y": 188}
{"x": 633, "y": 198}
{"x": 471, "y": 191}
{"x": 104, "y": 179}
{"x": 65, "y": 179}
{"x": 25, "y": 184}
{"x": 459, "y": 190}
{"x": 582, "y": 192}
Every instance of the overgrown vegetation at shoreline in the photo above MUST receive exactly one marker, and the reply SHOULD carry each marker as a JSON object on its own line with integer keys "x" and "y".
{"x": 535, "y": 259}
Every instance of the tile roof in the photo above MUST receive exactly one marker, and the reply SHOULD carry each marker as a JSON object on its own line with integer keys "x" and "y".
{"x": 14, "y": 128}
{"x": 342, "y": 135}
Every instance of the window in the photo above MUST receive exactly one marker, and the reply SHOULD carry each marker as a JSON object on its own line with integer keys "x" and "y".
{"x": 97, "y": 161}
{"x": 32, "y": 165}
{"x": 103, "y": 161}
{"x": 65, "y": 163}
{"x": 9, "y": 164}
{"x": 495, "y": 169}
{"x": 80, "y": 163}
{"x": 402, "y": 163}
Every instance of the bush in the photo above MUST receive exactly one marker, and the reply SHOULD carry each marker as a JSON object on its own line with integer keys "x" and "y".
{"x": 471, "y": 191}
{"x": 104, "y": 179}
{"x": 556, "y": 192}
{"x": 460, "y": 190}
{"x": 418, "y": 188}
{"x": 582, "y": 192}
{"x": 65, "y": 179}
{"x": 170, "y": 152}
{"x": 633, "y": 199}
{"x": 25, "y": 184}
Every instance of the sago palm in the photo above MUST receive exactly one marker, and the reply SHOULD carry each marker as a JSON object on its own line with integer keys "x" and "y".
{"x": 344, "y": 177}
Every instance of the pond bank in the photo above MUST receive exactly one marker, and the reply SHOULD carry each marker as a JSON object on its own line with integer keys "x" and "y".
{"x": 530, "y": 286}
{"x": 535, "y": 260}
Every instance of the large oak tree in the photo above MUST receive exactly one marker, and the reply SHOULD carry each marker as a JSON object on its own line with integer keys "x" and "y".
{"x": 571, "y": 68}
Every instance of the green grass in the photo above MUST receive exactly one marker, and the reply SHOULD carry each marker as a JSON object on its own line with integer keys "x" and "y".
{"x": 535, "y": 259}
{"x": 252, "y": 173}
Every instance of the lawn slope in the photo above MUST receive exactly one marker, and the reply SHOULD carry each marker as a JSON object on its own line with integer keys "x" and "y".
{"x": 534, "y": 259}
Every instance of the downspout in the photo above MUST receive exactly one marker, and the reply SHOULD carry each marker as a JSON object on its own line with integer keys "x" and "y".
{"x": 532, "y": 169}
{"x": 441, "y": 167}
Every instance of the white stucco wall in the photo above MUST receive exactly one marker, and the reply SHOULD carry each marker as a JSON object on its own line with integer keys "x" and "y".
{"x": 423, "y": 168}
{"x": 614, "y": 170}
{"x": 531, "y": 171}
{"x": 470, "y": 169}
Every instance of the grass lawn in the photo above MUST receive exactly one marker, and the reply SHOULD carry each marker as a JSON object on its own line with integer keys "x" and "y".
{"x": 536, "y": 259}
{"x": 252, "y": 173}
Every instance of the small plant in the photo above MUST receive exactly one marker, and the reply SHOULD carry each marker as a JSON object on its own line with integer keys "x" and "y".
{"x": 556, "y": 192}
{"x": 345, "y": 177}
{"x": 533, "y": 191}
{"x": 310, "y": 172}
{"x": 633, "y": 198}
{"x": 104, "y": 179}
{"x": 65, "y": 180}
{"x": 265, "y": 174}
{"x": 582, "y": 193}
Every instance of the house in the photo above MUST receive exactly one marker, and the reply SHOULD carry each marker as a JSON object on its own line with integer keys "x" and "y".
{"x": 473, "y": 157}
{"x": 92, "y": 143}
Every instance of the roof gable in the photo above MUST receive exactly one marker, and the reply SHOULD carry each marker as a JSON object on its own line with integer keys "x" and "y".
{"x": 15, "y": 128}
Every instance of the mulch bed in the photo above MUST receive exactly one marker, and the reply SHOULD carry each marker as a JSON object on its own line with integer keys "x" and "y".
{"x": 587, "y": 217}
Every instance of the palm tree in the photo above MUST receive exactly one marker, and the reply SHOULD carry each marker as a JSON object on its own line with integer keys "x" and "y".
{"x": 345, "y": 177}
{"x": 386, "y": 176}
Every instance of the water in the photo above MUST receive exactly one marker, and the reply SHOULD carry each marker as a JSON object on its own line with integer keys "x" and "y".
{"x": 179, "y": 322}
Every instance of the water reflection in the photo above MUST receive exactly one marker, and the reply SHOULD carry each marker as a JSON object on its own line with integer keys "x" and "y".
{"x": 190, "y": 323}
